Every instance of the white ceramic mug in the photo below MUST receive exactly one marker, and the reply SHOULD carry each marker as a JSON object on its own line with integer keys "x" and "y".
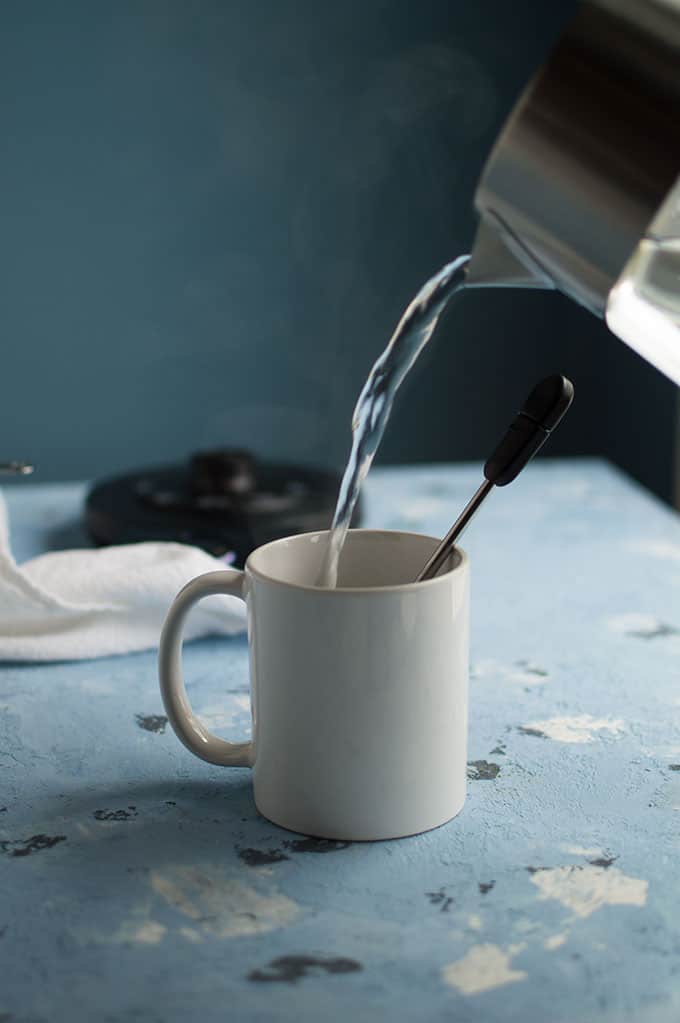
{"x": 359, "y": 693}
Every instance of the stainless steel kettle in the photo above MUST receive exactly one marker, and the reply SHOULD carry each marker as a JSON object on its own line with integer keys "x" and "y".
{"x": 581, "y": 191}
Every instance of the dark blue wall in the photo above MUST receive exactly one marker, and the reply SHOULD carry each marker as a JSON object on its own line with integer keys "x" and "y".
{"x": 212, "y": 214}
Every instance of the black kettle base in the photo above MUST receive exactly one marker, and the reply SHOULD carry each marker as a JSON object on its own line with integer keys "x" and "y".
{"x": 225, "y": 502}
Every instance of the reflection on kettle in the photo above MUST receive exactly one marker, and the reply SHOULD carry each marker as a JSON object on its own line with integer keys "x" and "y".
{"x": 581, "y": 191}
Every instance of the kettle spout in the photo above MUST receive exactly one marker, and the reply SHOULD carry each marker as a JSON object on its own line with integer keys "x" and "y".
{"x": 499, "y": 260}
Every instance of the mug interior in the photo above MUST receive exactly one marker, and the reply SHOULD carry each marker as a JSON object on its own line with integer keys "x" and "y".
{"x": 370, "y": 558}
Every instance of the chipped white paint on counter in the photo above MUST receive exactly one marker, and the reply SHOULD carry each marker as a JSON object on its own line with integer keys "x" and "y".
{"x": 137, "y": 883}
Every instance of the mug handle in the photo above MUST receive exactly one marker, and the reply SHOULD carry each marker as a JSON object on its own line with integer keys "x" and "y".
{"x": 186, "y": 725}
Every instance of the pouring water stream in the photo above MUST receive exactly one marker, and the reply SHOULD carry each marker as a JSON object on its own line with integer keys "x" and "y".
{"x": 374, "y": 405}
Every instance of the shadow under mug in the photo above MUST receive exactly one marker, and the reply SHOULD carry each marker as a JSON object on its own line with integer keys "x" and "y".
{"x": 359, "y": 693}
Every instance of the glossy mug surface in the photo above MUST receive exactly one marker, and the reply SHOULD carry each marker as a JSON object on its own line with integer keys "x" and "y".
{"x": 359, "y": 694}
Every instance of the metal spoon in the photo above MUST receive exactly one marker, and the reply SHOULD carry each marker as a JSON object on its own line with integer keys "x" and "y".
{"x": 538, "y": 417}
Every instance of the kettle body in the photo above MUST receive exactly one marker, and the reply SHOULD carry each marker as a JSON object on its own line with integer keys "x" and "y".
{"x": 581, "y": 191}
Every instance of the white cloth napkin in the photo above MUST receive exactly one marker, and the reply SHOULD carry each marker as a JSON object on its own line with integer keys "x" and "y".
{"x": 72, "y": 605}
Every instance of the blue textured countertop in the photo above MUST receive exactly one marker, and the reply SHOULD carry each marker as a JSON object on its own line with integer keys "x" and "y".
{"x": 138, "y": 883}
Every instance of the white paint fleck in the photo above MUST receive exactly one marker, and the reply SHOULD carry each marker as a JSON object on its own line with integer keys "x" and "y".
{"x": 578, "y": 728}
{"x": 658, "y": 549}
{"x": 220, "y": 905}
{"x": 588, "y": 888}
{"x": 133, "y": 931}
{"x": 631, "y": 621}
{"x": 474, "y": 922}
{"x": 523, "y": 673}
{"x": 528, "y": 677}
{"x": 581, "y": 850}
{"x": 555, "y": 941}
{"x": 644, "y": 626}
{"x": 148, "y": 933}
{"x": 482, "y": 968}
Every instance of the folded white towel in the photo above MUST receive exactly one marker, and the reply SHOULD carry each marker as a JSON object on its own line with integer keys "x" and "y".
{"x": 72, "y": 605}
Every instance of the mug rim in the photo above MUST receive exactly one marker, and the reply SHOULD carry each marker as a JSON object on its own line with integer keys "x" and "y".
{"x": 461, "y": 563}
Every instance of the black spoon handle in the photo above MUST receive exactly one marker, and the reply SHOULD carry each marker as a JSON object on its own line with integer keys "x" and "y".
{"x": 528, "y": 432}
{"x": 541, "y": 413}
